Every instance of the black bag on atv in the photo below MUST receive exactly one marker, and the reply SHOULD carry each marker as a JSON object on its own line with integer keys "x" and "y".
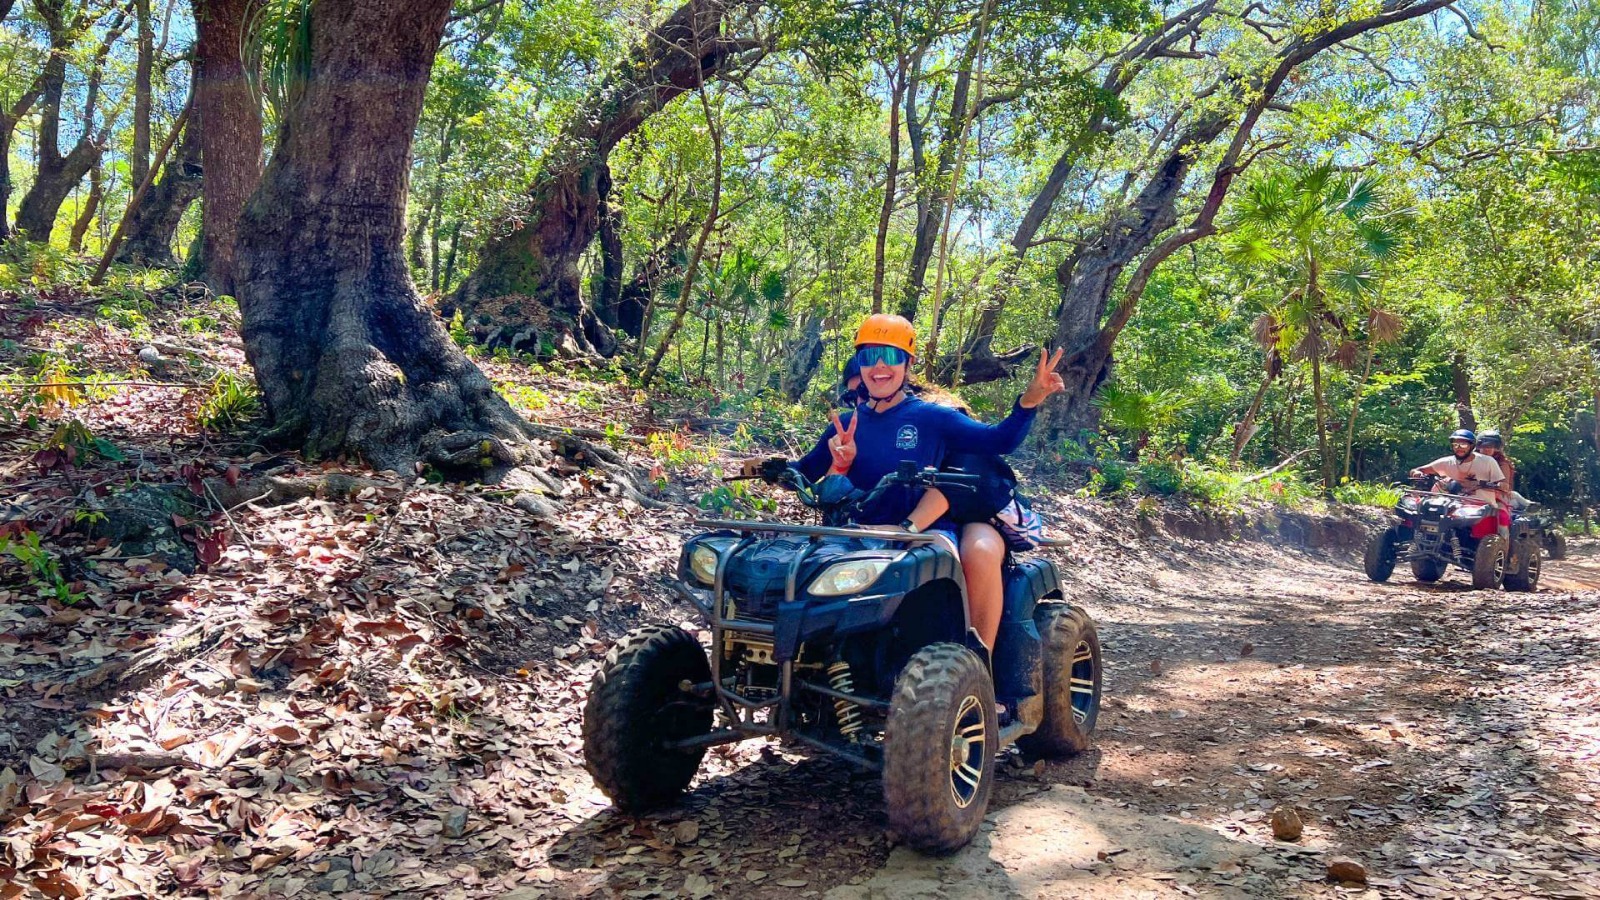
{"x": 996, "y": 500}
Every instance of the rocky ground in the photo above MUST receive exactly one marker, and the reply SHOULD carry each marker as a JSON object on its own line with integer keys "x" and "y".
{"x": 355, "y": 684}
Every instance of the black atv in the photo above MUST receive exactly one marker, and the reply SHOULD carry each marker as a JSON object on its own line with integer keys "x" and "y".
{"x": 853, "y": 641}
{"x": 1437, "y": 526}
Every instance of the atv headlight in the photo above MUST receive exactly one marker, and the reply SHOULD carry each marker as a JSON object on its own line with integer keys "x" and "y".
{"x": 703, "y": 563}
{"x": 848, "y": 577}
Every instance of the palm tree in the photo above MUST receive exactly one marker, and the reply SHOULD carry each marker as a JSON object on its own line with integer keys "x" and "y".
{"x": 1323, "y": 235}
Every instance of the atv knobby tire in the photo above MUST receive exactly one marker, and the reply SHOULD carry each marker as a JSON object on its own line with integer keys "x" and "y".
{"x": 1428, "y": 570}
{"x": 1069, "y": 642}
{"x": 636, "y": 704}
{"x": 1526, "y": 577}
{"x": 1380, "y": 556}
{"x": 1489, "y": 563}
{"x": 1557, "y": 545}
{"x": 938, "y": 766}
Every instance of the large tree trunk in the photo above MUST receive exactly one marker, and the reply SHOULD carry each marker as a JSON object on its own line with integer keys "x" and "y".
{"x": 230, "y": 141}
{"x": 156, "y": 220}
{"x": 534, "y": 268}
{"x": 348, "y": 358}
{"x": 977, "y": 362}
{"x": 57, "y": 174}
{"x": 931, "y": 186}
{"x": 139, "y": 161}
{"x": 802, "y": 359}
{"x": 9, "y": 118}
{"x": 1086, "y": 280}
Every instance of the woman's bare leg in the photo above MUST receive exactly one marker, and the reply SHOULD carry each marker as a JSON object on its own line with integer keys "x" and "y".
{"x": 982, "y": 552}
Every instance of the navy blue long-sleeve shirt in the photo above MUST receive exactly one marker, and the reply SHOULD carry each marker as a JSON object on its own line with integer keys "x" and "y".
{"x": 915, "y": 430}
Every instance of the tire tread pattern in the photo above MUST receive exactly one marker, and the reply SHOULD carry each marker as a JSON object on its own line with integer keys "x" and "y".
{"x": 916, "y": 775}
{"x": 623, "y": 755}
{"x": 1062, "y": 626}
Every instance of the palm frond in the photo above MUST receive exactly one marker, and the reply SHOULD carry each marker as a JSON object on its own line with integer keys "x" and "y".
{"x": 1361, "y": 195}
{"x": 1385, "y": 327}
{"x": 277, "y": 54}
{"x": 1381, "y": 240}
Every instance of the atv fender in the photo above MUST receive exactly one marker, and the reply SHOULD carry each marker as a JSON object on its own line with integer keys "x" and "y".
{"x": 1019, "y": 649}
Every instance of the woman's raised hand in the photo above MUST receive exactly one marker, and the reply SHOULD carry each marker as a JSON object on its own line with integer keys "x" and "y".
{"x": 843, "y": 443}
{"x": 1046, "y": 380}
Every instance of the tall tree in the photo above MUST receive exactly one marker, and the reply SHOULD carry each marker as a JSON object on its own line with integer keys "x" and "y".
{"x": 348, "y": 358}
{"x": 1087, "y": 324}
{"x": 537, "y": 260}
{"x": 139, "y": 159}
{"x": 155, "y": 221}
{"x": 58, "y": 173}
{"x": 230, "y": 141}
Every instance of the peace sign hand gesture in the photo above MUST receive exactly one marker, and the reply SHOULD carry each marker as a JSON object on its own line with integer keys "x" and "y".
{"x": 1046, "y": 380}
{"x": 843, "y": 444}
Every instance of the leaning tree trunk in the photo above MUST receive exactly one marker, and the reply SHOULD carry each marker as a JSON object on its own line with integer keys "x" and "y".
{"x": 348, "y": 358}
{"x": 56, "y": 174}
{"x": 525, "y": 291}
{"x": 230, "y": 141}
{"x": 156, "y": 220}
{"x": 1088, "y": 278}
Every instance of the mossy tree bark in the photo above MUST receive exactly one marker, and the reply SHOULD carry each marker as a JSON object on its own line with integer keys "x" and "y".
{"x": 348, "y": 358}
{"x": 536, "y": 263}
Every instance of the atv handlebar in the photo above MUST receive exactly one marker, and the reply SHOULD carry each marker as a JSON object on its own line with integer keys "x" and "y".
{"x": 776, "y": 470}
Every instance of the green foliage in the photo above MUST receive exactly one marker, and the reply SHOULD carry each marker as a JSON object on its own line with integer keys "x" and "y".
{"x": 231, "y": 403}
{"x": 1361, "y": 493}
{"x": 41, "y": 566}
{"x": 1160, "y": 477}
{"x": 523, "y": 397}
{"x": 735, "y": 499}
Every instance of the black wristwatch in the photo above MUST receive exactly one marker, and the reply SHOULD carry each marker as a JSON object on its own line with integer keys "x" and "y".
{"x": 908, "y": 525}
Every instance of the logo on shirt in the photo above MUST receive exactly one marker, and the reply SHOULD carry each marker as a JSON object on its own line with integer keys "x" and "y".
{"x": 906, "y": 439}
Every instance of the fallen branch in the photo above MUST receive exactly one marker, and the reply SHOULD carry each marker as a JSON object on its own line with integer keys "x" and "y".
{"x": 1277, "y": 468}
{"x": 186, "y": 385}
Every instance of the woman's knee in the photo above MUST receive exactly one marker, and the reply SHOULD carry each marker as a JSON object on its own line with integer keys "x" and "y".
{"x": 982, "y": 540}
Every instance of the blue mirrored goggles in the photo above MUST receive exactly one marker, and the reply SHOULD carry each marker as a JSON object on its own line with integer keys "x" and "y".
{"x": 871, "y": 356}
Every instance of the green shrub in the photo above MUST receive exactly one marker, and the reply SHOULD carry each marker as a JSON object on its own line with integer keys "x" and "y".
{"x": 1160, "y": 477}
{"x": 1366, "y": 493}
{"x": 232, "y": 401}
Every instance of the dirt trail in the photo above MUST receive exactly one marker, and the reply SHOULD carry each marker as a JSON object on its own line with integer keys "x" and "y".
{"x": 1445, "y": 738}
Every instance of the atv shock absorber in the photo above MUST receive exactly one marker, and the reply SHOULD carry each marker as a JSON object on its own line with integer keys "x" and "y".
{"x": 848, "y": 713}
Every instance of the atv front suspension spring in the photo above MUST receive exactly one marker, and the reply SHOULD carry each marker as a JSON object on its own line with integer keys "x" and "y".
{"x": 848, "y": 714}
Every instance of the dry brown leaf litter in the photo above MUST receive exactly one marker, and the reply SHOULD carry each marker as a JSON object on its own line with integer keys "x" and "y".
{"x": 379, "y": 696}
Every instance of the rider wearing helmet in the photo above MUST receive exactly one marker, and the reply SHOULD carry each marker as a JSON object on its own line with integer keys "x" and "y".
{"x": 1492, "y": 445}
{"x": 893, "y": 425}
{"x": 1479, "y": 475}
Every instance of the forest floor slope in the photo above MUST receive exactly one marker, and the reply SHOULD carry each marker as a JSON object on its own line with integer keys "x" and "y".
{"x": 375, "y": 688}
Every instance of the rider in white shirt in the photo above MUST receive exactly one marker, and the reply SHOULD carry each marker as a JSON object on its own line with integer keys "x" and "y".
{"x": 1477, "y": 473}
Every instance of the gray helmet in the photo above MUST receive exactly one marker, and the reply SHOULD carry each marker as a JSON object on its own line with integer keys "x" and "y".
{"x": 1491, "y": 438}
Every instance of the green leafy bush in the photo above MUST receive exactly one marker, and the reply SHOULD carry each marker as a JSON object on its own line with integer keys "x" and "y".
{"x": 1160, "y": 477}
{"x": 232, "y": 402}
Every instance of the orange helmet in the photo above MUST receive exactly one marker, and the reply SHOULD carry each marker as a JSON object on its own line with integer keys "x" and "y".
{"x": 888, "y": 331}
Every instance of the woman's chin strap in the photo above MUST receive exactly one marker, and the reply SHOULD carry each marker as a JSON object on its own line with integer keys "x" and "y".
{"x": 872, "y": 402}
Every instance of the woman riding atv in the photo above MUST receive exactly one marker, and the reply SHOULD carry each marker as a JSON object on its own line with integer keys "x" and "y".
{"x": 1492, "y": 445}
{"x": 893, "y": 426}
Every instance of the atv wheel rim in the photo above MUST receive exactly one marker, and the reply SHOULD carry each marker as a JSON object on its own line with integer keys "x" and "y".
{"x": 1082, "y": 682}
{"x": 1500, "y": 566}
{"x": 969, "y": 741}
